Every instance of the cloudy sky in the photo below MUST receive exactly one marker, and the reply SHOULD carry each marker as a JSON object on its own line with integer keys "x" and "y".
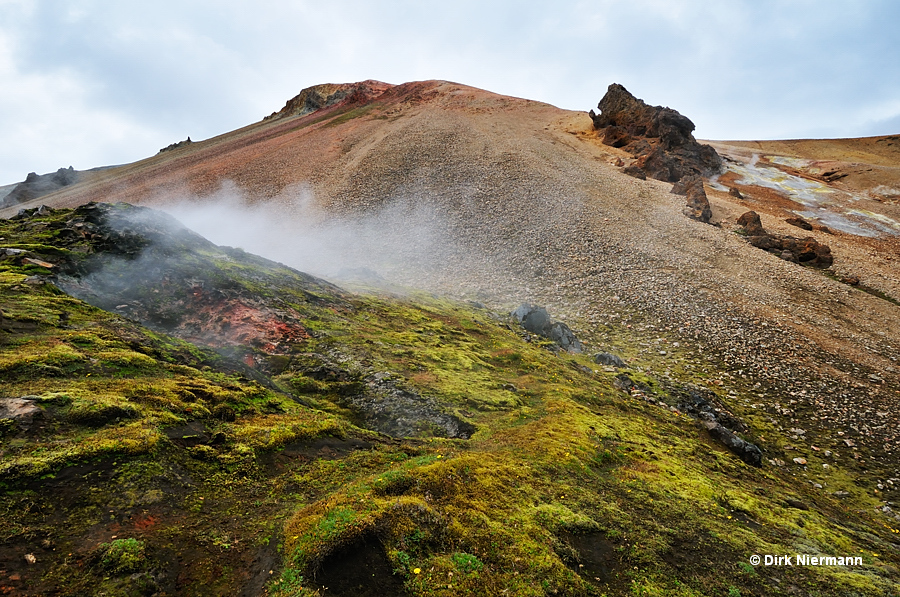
{"x": 96, "y": 82}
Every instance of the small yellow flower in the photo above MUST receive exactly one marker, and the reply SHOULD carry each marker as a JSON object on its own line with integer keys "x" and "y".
{"x": 439, "y": 456}
{"x": 417, "y": 570}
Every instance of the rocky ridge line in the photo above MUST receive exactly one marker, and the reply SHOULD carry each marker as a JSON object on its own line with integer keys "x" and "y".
{"x": 326, "y": 95}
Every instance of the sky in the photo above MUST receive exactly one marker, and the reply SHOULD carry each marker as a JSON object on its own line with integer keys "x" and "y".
{"x": 91, "y": 83}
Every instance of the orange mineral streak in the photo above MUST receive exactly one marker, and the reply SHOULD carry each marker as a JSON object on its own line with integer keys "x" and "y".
{"x": 233, "y": 322}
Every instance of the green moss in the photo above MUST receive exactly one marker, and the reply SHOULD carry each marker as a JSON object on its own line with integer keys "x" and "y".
{"x": 123, "y": 556}
{"x": 172, "y": 439}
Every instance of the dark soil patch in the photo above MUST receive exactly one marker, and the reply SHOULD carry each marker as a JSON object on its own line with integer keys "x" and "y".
{"x": 266, "y": 564}
{"x": 188, "y": 435}
{"x": 323, "y": 448}
{"x": 682, "y": 556}
{"x": 360, "y": 569}
{"x": 595, "y": 557}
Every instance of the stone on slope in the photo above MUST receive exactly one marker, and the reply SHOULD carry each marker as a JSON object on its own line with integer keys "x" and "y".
{"x": 21, "y": 410}
{"x": 537, "y": 321}
{"x": 746, "y": 451}
{"x": 697, "y": 206}
{"x": 806, "y": 251}
{"x": 608, "y": 359}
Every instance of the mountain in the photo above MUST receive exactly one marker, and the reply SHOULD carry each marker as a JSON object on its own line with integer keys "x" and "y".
{"x": 182, "y": 417}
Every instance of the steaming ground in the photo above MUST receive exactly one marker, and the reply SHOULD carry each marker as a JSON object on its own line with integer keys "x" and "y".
{"x": 592, "y": 267}
{"x": 461, "y": 192}
{"x": 399, "y": 236}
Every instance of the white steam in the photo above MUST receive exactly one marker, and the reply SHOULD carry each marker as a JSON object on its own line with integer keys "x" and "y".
{"x": 396, "y": 241}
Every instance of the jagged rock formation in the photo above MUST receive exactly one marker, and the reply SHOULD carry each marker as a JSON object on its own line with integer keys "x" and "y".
{"x": 659, "y": 137}
{"x": 326, "y": 95}
{"x": 722, "y": 425}
{"x": 806, "y": 251}
{"x": 37, "y": 185}
{"x": 176, "y": 145}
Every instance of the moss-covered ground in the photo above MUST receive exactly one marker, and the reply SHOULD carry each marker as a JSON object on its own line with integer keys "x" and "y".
{"x": 160, "y": 467}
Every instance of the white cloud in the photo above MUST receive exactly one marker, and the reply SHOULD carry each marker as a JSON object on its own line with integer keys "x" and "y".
{"x": 55, "y": 124}
{"x": 92, "y": 82}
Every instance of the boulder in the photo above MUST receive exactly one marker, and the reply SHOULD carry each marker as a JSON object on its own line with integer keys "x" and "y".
{"x": 537, "y": 321}
{"x": 799, "y": 223}
{"x": 697, "y": 206}
{"x": 746, "y": 451}
{"x": 21, "y": 410}
{"x": 751, "y": 223}
{"x": 608, "y": 359}
{"x": 661, "y": 138}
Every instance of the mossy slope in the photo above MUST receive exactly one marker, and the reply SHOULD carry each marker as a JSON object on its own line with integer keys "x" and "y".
{"x": 157, "y": 466}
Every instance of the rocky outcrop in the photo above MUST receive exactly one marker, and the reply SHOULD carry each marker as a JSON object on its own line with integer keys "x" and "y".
{"x": 388, "y": 406}
{"x": 37, "y": 185}
{"x": 537, "y": 321}
{"x": 20, "y": 410}
{"x": 177, "y": 145}
{"x": 805, "y": 251}
{"x": 746, "y": 451}
{"x": 660, "y": 138}
{"x": 326, "y": 95}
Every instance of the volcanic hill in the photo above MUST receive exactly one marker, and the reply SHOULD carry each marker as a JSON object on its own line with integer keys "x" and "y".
{"x": 181, "y": 417}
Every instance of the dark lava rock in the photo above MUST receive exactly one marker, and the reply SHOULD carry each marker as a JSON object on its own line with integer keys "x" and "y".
{"x": 635, "y": 171}
{"x": 796, "y": 504}
{"x": 537, "y": 321}
{"x": 805, "y": 251}
{"x": 799, "y": 223}
{"x": 386, "y": 406}
{"x": 611, "y": 360}
{"x": 746, "y": 451}
{"x": 721, "y": 424}
{"x": 660, "y": 138}
{"x": 623, "y": 382}
{"x": 697, "y": 206}
{"x": 37, "y": 185}
{"x": 703, "y": 404}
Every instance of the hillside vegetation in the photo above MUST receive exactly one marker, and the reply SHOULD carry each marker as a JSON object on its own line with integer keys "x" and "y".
{"x": 204, "y": 421}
